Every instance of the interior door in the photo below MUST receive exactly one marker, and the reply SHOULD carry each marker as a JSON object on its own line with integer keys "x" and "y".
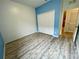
{"x": 71, "y": 20}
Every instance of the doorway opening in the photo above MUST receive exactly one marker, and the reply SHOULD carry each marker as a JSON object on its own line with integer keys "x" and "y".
{"x": 70, "y": 22}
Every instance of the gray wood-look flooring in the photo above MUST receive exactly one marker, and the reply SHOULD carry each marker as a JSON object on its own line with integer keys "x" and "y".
{"x": 42, "y": 46}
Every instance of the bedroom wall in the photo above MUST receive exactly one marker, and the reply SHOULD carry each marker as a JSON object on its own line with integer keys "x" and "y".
{"x": 53, "y": 5}
{"x": 16, "y": 20}
{"x": 2, "y": 54}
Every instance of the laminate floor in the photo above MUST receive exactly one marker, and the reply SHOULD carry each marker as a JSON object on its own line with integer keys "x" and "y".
{"x": 42, "y": 46}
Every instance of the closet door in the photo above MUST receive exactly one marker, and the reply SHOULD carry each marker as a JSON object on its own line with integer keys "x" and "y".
{"x": 46, "y": 22}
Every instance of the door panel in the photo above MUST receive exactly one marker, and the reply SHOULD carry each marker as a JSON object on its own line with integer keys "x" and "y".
{"x": 71, "y": 20}
{"x": 46, "y": 22}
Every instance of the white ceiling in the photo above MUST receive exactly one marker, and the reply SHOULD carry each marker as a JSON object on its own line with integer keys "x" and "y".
{"x": 32, "y": 3}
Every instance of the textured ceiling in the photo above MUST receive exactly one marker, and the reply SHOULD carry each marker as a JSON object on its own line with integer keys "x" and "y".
{"x": 32, "y": 3}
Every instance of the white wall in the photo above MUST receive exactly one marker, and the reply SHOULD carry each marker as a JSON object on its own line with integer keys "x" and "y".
{"x": 67, "y": 5}
{"x": 16, "y": 20}
{"x": 0, "y": 15}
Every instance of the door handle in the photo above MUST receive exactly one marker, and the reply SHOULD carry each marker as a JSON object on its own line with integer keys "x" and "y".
{"x": 76, "y": 26}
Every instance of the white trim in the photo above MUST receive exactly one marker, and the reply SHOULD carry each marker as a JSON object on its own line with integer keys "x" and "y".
{"x": 74, "y": 36}
{"x": 61, "y": 17}
{"x": 55, "y": 36}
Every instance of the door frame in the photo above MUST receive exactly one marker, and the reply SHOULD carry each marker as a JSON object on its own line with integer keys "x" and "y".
{"x": 62, "y": 18}
{"x": 75, "y": 33}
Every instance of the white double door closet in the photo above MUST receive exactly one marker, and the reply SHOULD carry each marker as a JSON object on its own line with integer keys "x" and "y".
{"x": 46, "y": 22}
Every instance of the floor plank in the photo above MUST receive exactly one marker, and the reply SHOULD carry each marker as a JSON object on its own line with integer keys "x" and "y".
{"x": 42, "y": 46}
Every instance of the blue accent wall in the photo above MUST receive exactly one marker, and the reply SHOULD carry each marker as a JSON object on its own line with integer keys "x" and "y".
{"x": 51, "y": 5}
{"x": 1, "y": 47}
{"x": 37, "y": 29}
